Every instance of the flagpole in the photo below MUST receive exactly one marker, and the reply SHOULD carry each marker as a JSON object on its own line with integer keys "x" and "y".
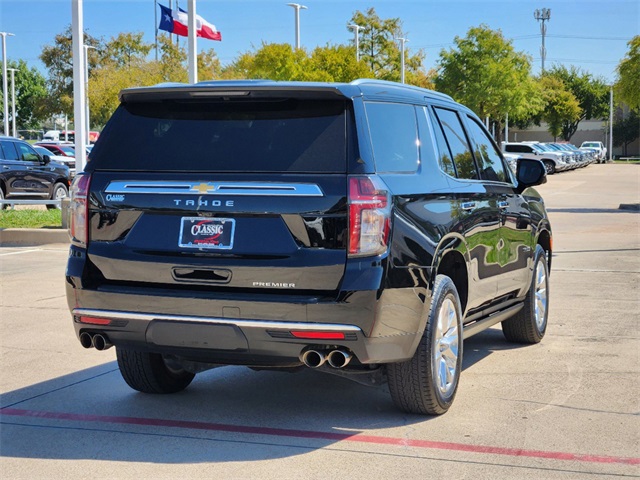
{"x": 178, "y": 36}
{"x": 155, "y": 13}
{"x": 193, "y": 62}
{"x": 170, "y": 36}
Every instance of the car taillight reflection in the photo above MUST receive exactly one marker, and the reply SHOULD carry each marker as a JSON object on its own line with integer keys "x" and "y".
{"x": 79, "y": 210}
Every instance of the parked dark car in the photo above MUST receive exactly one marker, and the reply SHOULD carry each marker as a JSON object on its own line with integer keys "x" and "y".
{"x": 27, "y": 175}
{"x": 362, "y": 229}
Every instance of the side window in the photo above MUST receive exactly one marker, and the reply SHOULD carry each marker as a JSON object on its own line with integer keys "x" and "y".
{"x": 394, "y": 136}
{"x": 457, "y": 141}
{"x": 487, "y": 157}
{"x": 26, "y": 152}
{"x": 516, "y": 149}
{"x": 10, "y": 152}
{"x": 445, "y": 159}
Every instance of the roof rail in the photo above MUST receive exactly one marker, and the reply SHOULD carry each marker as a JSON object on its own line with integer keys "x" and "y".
{"x": 373, "y": 82}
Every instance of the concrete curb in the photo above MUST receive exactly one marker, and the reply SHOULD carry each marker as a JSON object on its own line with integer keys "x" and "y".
{"x": 32, "y": 236}
{"x": 634, "y": 207}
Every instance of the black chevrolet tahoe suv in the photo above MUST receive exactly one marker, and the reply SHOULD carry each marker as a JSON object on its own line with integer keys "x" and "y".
{"x": 363, "y": 229}
{"x": 27, "y": 175}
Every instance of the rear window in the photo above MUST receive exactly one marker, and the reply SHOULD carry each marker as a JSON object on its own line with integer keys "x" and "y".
{"x": 239, "y": 135}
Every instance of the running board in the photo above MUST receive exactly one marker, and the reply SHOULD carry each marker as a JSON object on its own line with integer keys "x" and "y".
{"x": 480, "y": 325}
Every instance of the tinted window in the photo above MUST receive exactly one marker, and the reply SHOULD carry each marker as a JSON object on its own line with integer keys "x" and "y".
{"x": 457, "y": 141}
{"x": 445, "y": 158}
{"x": 271, "y": 135}
{"x": 394, "y": 135}
{"x": 517, "y": 149}
{"x": 487, "y": 157}
{"x": 10, "y": 152}
{"x": 27, "y": 153}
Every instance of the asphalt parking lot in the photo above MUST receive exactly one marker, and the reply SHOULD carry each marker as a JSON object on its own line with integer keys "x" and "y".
{"x": 565, "y": 408}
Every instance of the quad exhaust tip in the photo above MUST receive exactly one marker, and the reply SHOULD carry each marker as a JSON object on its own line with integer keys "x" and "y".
{"x": 98, "y": 341}
{"x": 339, "y": 358}
{"x": 316, "y": 358}
{"x": 313, "y": 358}
{"x": 86, "y": 340}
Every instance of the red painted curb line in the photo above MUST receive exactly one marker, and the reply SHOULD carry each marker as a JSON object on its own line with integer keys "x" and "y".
{"x": 344, "y": 437}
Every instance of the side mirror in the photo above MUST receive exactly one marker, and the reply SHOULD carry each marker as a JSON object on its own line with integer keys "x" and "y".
{"x": 530, "y": 172}
{"x": 46, "y": 159}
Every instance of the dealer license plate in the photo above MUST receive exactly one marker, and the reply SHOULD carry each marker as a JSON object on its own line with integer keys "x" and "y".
{"x": 213, "y": 233}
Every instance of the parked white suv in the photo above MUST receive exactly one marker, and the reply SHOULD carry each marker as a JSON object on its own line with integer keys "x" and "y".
{"x": 600, "y": 149}
{"x": 553, "y": 161}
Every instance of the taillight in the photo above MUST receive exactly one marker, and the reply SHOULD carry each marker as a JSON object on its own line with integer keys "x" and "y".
{"x": 369, "y": 216}
{"x": 79, "y": 210}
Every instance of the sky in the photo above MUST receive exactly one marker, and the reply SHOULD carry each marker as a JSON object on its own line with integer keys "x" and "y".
{"x": 591, "y": 35}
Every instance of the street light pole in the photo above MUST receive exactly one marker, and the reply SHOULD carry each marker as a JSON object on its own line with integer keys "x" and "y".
{"x": 86, "y": 90}
{"x": 13, "y": 100}
{"x": 356, "y": 30}
{"x": 77, "y": 41}
{"x": 297, "y": 8}
{"x": 402, "y": 42}
{"x": 611, "y": 124}
{"x": 5, "y": 95}
{"x": 542, "y": 15}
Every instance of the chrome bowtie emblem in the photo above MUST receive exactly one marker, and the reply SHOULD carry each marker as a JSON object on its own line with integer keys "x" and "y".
{"x": 203, "y": 188}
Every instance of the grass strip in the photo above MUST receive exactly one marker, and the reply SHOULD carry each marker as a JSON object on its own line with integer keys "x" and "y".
{"x": 30, "y": 218}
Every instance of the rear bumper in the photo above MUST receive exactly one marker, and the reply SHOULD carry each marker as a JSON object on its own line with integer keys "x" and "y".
{"x": 240, "y": 341}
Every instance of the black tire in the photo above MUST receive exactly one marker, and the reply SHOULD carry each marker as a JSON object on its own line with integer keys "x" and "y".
{"x": 530, "y": 324}
{"x": 60, "y": 191}
{"x": 550, "y": 167}
{"x": 3, "y": 206}
{"x": 415, "y": 385}
{"x": 149, "y": 373}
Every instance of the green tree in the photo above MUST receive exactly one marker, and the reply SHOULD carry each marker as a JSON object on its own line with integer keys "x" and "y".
{"x": 592, "y": 95}
{"x": 57, "y": 59}
{"x": 484, "y": 72}
{"x": 125, "y": 49}
{"x": 173, "y": 60}
{"x": 209, "y": 67}
{"x": 124, "y": 65}
{"x": 106, "y": 83}
{"x": 626, "y": 130}
{"x": 380, "y": 51}
{"x": 282, "y": 62}
{"x": 338, "y": 63}
{"x": 31, "y": 93}
{"x": 628, "y": 84}
{"x": 560, "y": 105}
{"x": 275, "y": 61}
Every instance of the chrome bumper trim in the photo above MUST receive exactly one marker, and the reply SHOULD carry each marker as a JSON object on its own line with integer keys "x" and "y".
{"x": 266, "y": 324}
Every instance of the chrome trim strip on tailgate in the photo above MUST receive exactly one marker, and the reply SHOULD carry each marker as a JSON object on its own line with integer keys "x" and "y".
{"x": 215, "y": 188}
{"x": 115, "y": 315}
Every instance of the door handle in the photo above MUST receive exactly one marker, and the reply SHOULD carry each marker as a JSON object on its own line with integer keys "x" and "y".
{"x": 468, "y": 205}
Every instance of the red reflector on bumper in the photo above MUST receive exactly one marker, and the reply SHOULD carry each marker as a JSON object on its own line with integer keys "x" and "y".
{"x": 95, "y": 321}
{"x": 319, "y": 335}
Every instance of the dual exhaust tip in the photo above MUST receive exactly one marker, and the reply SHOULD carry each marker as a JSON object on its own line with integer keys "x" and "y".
{"x": 95, "y": 340}
{"x": 316, "y": 358}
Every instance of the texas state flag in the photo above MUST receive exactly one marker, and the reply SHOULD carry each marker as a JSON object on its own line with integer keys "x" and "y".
{"x": 176, "y": 21}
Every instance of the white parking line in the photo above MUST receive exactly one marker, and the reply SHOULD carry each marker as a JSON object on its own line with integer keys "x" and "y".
{"x": 21, "y": 251}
